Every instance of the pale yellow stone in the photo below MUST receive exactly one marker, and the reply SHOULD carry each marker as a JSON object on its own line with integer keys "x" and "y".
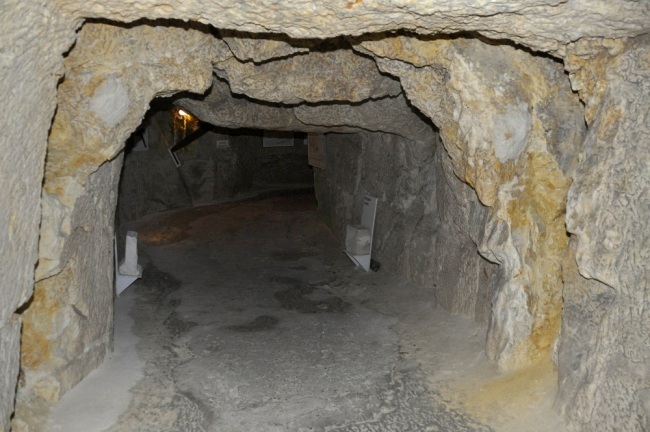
{"x": 48, "y": 389}
{"x": 147, "y": 62}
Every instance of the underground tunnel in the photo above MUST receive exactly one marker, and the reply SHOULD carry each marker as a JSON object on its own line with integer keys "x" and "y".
{"x": 507, "y": 150}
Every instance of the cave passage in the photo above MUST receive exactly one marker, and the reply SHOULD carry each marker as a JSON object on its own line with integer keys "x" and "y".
{"x": 507, "y": 147}
{"x": 249, "y": 317}
{"x": 174, "y": 160}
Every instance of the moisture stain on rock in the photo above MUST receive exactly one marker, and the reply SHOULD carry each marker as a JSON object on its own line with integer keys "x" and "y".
{"x": 261, "y": 323}
{"x": 306, "y": 299}
{"x": 177, "y": 326}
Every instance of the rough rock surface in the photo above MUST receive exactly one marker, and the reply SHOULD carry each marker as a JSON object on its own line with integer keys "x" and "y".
{"x": 604, "y": 357}
{"x": 391, "y": 168}
{"x": 68, "y": 325}
{"x": 427, "y": 223}
{"x": 502, "y": 131}
{"x": 390, "y": 114}
{"x": 150, "y": 181}
{"x": 260, "y": 48}
{"x": 545, "y": 25}
{"x": 465, "y": 282}
{"x": 37, "y": 34}
{"x": 99, "y": 106}
{"x": 10, "y": 347}
{"x": 31, "y": 43}
{"x": 221, "y": 108}
{"x": 322, "y": 75}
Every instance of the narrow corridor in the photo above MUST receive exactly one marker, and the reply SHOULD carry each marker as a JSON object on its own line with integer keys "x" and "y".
{"x": 250, "y": 318}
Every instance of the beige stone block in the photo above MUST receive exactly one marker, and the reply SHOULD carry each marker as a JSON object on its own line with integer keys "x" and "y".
{"x": 48, "y": 389}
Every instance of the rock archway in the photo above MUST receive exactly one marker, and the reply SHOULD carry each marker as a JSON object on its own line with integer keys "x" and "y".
{"x": 510, "y": 124}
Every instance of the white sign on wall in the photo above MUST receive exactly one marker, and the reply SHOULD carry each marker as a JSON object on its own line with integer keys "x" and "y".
{"x": 316, "y": 150}
{"x": 368, "y": 222}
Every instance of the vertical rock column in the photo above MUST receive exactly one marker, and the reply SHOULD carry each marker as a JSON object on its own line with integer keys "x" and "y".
{"x": 111, "y": 75}
{"x": 604, "y": 357}
{"x": 32, "y": 39}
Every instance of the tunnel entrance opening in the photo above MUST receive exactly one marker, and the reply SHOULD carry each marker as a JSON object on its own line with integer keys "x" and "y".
{"x": 378, "y": 144}
{"x": 173, "y": 161}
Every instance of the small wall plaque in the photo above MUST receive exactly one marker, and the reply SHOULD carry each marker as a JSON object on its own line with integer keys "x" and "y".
{"x": 316, "y": 150}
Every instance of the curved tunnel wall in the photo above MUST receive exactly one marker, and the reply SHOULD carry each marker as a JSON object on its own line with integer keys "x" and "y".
{"x": 500, "y": 150}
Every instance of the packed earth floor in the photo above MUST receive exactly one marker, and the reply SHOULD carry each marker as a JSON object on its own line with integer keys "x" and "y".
{"x": 249, "y": 317}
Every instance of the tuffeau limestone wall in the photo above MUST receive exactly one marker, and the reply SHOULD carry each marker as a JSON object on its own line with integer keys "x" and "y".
{"x": 68, "y": 325}
{"x": 550, "y": 190}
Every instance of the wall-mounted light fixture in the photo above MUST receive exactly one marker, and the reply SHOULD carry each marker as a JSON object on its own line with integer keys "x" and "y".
{"x": 182, "y": 123}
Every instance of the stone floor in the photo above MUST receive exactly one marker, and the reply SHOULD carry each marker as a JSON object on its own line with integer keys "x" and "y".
{"x": 250, "y": 318}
